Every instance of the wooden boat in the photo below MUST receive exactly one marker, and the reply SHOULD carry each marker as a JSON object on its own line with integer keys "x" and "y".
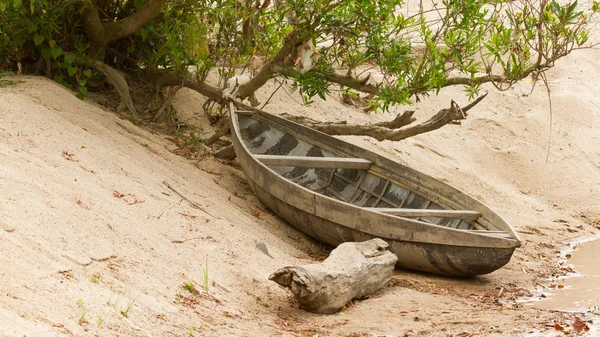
{"x": 337, "y": 192}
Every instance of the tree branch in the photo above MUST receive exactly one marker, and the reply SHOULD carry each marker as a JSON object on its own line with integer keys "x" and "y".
{"x": 267, "y": 71}
{"x": 401, "y": 120}
{"x": 129, "y": 25}
{"x": 93, "y": 26}
{"x": 353, "y": 83}
{"x": 393, "y": 130}
{"x": 472, "y": 81}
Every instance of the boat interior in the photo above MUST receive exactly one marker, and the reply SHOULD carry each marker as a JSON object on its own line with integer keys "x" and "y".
{"x": 347, "y": 179}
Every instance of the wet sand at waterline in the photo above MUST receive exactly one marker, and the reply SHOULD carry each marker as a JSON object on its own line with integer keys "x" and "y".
{"x": 579, "y": 292}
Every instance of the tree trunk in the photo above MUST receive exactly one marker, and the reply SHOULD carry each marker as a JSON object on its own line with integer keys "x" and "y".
{"x": 352, "y": 271}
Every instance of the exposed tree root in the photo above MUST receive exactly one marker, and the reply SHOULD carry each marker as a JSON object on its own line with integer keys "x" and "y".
{"x": 227, "y": 153}
{"x": 161, "y": 114}
{"x": 222, "y": 132}
{"x": 117, "y": 81}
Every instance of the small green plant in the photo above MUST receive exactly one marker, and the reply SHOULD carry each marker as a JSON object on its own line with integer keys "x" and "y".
{"x": 83, "y": 311}
{"x": 205, "y": 280}
{"x": 4, "y": 82}
{"x": 130, "y": 304}
{"x": 100, "y": 321}
{"x": 189, "y": 286}
{"x": 96, "y": 278}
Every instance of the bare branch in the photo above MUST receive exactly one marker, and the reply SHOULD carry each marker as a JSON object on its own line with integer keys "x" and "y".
{"x": 401, "y": 120}
{"x": 382, "y": 131}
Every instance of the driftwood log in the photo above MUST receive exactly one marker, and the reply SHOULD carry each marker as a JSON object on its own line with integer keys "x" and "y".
{"x": 352, "y": 271}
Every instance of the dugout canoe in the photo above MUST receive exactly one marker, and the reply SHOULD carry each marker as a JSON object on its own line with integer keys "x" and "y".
{"x": 338, "y": 192}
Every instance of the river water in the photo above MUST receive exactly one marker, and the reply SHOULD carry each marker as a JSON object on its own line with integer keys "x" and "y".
{"x": 581, "y": 292}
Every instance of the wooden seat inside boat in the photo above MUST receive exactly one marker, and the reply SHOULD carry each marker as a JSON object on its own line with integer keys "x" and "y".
{"x": 417, "y": 213}
{"x": 314, "y": 162}
{"x": 500, "y": 234}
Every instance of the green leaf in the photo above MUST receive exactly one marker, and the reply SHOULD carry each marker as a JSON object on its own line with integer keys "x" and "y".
{"x": 138, "y": 4}
{"x": 2, "y": 6}
{"x": 58, "y": 79}
{"x": 83, "y": 90}
{"x": 38, "y": 39}
{"x": 46, "y": 53}
{"x": 17, "y": 4}
{"x": 72, "y": 71}
{"x": 18, "y": 40}
{"x": 87, "y": 73}
{"x": 68, "y": 85}
{"x": 143, "y": 33}
{"x": 56, "y": 52}
{"x": 80, "y": 96}
{"x": 31, "y": 27}
{"x": 69, "y": 58}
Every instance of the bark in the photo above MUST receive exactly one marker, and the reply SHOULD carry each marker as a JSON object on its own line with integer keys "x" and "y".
{"x": 102, "y": 33}
{"x": 116, "y": 80}
{"x": 227, "y": 153}
{"x": 352, "y": 271}
{"x": 222, "y": 132}
{"x": 393, "y": 130}
{"x": 344, "y": 80}
{"x": 270, "y": 68}
{"x": 161, "y": 114}
{"x": 162, "y": 80}
{"x": 93, "y": 26}
{"x": 131, "y": 24}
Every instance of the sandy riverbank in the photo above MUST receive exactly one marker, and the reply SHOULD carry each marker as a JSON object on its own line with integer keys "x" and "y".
{"x": 89, "y": 233}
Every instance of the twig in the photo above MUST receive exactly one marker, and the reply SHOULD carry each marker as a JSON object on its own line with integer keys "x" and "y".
{"x": 193, "y": 204}
{"x": 543, "y": 74}
{"x": 135, "y": 327}
{"x": 159, "y": 113}
{"x": 272, "y": 94}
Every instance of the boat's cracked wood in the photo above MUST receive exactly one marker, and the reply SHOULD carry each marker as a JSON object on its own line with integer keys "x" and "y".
{"x": 440, "y": 213}
{"x": 352, "y": 271}
{"x": 314, "y": 162}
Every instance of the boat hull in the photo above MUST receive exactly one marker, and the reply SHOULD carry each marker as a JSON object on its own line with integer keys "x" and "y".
{"x": 457, "y": 261}
{"x": 419, "y": 246}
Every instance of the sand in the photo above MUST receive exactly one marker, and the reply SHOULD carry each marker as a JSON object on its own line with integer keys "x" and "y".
{"x": 93, "y": 242}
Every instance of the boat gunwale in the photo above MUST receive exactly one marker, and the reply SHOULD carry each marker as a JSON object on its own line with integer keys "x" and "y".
{"x": 433, "y": 227}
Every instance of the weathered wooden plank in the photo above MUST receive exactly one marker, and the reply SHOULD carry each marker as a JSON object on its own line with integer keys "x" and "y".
{"x": 416, "y": 213}
{"x": 500, "y": 234}
{"x": 314, "y": 162}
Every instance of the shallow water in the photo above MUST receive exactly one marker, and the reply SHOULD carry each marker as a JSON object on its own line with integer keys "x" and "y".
{"x": 580, "y": 292}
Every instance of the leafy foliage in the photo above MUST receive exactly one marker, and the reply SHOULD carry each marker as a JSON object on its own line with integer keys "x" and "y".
{"x": 417, "y": 51}
{"x": 42, "y": 33}
{"x": 3, "y": 81}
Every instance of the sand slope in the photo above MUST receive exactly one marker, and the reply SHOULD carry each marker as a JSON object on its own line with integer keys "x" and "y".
{"x": 93, "y": 243}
